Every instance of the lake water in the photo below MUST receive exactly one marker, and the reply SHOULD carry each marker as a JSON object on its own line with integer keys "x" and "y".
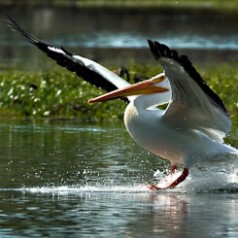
{"x": 71, "y": 179}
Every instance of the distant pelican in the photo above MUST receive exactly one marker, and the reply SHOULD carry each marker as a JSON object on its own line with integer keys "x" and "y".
{"x": 192, "y": 126}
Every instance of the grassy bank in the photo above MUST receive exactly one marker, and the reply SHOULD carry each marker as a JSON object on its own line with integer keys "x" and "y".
{"x": 61, "y": 94}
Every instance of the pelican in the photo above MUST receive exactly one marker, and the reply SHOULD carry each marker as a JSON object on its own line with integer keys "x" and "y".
{"x": 192, "y": 126}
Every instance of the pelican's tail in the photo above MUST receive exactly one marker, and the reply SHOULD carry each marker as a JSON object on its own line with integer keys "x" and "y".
{"x": 223, "y": 152}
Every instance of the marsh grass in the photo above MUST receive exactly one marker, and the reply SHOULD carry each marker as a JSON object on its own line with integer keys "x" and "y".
{"x": 61, "y": 94}
{"x": 223, "y": 79}
{"x": 55, "y": 94}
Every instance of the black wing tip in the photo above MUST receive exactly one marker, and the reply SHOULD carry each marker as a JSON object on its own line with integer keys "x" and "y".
{"x": 160, "y": 50}
{"x": 11, "y": 23}
{"x": 9, "y": 20}
{"x": 150, "y": 42}
{"x": 154, "y": 46}
{"x": 14, "y": 26}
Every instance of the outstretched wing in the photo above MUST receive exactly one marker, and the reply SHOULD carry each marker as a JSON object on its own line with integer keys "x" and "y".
{"x": 193, "y": 103}
{"x": 89, "y": 70}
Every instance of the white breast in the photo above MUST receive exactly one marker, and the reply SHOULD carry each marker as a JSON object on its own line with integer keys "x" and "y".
{"x": 148, "y": 132}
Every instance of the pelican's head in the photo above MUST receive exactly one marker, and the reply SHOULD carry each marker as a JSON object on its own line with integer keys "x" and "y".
{"x": 150, "y": 86}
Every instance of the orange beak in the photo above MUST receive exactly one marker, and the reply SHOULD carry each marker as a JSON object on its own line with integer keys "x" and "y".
{"x": 146, "y": 87}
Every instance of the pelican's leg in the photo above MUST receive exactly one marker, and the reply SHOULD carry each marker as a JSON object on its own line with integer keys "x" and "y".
{"x": 174, "y": 167}
{"x": 180, "y": 179}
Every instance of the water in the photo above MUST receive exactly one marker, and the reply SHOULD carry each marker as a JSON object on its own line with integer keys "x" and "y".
{"x": 206, "y": 35}
{"x": 71, "y": 179}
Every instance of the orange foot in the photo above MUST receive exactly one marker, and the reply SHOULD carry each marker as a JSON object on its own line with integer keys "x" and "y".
{"x": 180, "y": 179}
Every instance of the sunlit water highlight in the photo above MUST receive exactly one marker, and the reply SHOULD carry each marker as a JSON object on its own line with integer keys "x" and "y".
{"x": 127, "y": 40}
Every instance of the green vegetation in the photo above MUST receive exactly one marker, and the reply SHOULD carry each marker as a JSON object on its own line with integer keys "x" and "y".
{"x": 62, "y": 94}
{"x": 223, "y": 79}
{"x": 50, "y": 94}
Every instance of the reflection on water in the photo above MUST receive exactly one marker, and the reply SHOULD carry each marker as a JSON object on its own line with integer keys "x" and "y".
{"x": 65, "y": 178}
{"x": 119, "y": 215}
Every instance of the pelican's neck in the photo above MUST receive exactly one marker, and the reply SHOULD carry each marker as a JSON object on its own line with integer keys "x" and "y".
{"x": 142, "y": 102}
{"x": 142, "y": 107}
{"x": 145, "y": 102}
{"x": 140, "y": 116}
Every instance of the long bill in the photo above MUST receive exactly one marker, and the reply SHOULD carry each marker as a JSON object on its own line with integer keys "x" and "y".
{"x": 145, "y": 87}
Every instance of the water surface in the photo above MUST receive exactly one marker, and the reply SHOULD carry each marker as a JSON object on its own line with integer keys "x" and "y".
{"x": 67, "y": 178}
{"x": 118, "y": 36}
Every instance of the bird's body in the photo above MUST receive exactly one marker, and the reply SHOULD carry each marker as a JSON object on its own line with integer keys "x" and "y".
{"x": 192, "y": 126}
{"x": 182, "y": 146}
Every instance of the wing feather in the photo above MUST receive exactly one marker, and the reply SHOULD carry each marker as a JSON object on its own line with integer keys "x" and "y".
{"x": 193, "y": 103}
{"x": 89, "y": 70}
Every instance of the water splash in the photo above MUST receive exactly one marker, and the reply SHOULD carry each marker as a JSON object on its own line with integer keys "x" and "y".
{"x": 199, "y": 181}
{"x": 219, "y": 176}
{"x": 86, "y": 189}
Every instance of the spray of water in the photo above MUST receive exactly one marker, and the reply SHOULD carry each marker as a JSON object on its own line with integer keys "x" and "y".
{"x": 207, "y": 177}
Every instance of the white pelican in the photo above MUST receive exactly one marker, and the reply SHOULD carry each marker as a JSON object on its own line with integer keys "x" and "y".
{"x": 192, "y": 126}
